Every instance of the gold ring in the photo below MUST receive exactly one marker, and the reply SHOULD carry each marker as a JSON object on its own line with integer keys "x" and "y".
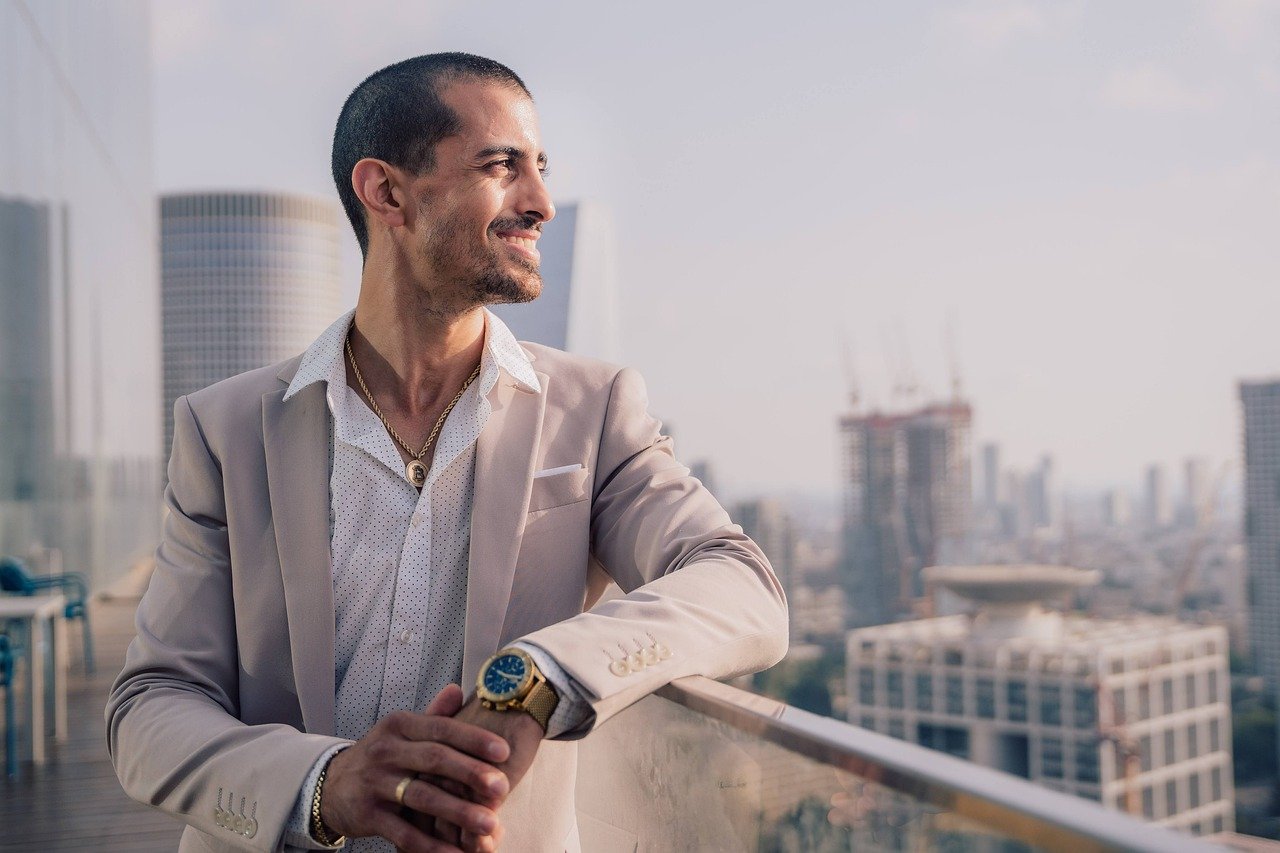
{"x": 402, "y": 787}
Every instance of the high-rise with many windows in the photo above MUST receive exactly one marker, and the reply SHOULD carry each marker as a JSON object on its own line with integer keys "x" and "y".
{"x": 249, "y": 279}
{"x": 1159, "y": 506}
{"x": 1262, "y": 522}
{"x": 1133, "y": 713}
{"x": 79, "y": 326}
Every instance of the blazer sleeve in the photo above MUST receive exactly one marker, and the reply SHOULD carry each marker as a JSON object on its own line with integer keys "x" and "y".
{"x": 694, "y": 582}
{"x": 172, "y": 727}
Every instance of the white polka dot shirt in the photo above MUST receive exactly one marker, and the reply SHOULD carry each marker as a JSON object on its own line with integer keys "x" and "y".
{"x": 400, "y": 557}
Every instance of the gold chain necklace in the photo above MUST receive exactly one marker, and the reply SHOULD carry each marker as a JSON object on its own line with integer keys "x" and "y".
{"x": 415, "y": 471}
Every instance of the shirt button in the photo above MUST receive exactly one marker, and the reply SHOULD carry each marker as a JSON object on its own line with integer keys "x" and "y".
{"x": 416, "y": 523}
{"x": 403, "y": 636}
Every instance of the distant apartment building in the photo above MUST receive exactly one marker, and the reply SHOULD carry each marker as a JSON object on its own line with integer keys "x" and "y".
{"x": 1197, "y": 497}
{"x": 1159, "y": 506}
{"x": 79, "y": 298}
{"x": 1133, "y": 713}
{"x": 1115, "y": 508}
{"x": 990, "y": 476}
{"x": 578, "y": 309}
{"x": 766, "y": 522}
{"x": 248, "y": 279}
{"x": 1261, "y": 402}
{"x": 1041, "y": 496}
{"x": 816, "y": 614}
{"x": 907, "y": 502}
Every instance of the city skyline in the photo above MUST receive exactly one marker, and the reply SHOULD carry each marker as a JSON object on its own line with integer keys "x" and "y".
{"x": 976, "y": 592}
{"x": 1082, "y": 190}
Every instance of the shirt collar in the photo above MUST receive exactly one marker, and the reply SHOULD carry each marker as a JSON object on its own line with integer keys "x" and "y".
{"x": 324, "y": 359}
{"x": 508, "y": 354}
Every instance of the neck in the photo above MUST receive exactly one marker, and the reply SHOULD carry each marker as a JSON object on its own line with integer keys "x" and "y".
{"x": 414, "y": 350}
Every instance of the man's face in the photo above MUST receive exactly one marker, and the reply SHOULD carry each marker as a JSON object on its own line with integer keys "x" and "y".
{"x": 481, "y": 209}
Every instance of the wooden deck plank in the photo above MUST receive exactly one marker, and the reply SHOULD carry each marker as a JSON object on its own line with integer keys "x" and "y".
{"x": 74, "y": 802}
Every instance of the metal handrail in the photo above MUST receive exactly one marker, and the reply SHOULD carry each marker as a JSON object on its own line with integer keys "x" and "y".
{"x": 1045, "y": 819}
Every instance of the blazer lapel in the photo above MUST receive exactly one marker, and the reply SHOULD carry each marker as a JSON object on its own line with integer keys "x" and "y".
{"x": 296, "y": 443}
{"x": 506, "y": 452}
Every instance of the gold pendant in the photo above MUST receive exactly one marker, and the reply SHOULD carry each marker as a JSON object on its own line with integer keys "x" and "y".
{"x": 416, "y": 473}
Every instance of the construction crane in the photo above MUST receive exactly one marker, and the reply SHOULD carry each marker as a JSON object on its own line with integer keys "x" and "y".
{"x": 850, "y": 375}
{"x": 906, "y": 387}
{"x": 953, "y": 359}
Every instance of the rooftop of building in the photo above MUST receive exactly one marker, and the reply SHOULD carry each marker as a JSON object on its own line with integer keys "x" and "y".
{"x": 1080, "y": 634}
{"x": 1009, "y": 619}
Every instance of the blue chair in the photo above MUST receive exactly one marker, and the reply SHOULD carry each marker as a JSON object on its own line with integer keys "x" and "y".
{"x": 15, "y": 578}
{"x": 7, "y": 657}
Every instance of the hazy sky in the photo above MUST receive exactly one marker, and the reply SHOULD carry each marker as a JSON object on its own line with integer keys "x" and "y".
{"x": 1088, "y": 192}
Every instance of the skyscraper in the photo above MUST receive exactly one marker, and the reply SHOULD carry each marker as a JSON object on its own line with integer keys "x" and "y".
{"x": 1159, "y": 507}
{"x": 1196, "y": 508}
{"x": 908, "y": 485}
{"x": 79, "y": 330}
{"x": 1115, "y": 508}
{"x": 1040, "y": 496}
{"x": 1262, "y": 522}
{"x": 249, "y": 279}
{"x": 578, "y": 308}
{"x": 990, "y": 476}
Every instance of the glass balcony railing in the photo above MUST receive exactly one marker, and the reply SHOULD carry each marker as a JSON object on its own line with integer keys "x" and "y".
{"x": 704, "y": 766}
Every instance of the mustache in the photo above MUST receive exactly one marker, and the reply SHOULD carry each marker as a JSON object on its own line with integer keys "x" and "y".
{"x": 516, "y": 223}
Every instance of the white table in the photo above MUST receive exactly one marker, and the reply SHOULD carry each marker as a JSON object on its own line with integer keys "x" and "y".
{"x": 44, "y": 637}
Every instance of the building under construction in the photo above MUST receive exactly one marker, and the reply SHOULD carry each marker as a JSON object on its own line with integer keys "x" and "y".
{"x": 908, "y": 484}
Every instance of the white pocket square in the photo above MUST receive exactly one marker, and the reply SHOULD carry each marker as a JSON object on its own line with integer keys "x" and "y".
{"x": 563, "y": 469}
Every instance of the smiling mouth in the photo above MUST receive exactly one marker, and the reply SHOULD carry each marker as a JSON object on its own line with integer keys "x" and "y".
{"x": 525, "y": 247}
{"x": 522, "y": 242}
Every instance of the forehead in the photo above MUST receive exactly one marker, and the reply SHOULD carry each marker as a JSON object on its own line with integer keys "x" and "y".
{"x": 493, "y": 114}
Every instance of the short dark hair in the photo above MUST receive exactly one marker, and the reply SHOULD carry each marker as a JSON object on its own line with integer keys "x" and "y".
{"x": 397, "y": 115}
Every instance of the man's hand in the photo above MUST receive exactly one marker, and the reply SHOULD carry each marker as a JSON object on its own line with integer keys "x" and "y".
{"x": 523, "y": 734}
{"x": 359, "y": 796}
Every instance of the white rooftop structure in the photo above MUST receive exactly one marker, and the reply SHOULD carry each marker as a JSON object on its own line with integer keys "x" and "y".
{"x": 1133, "y": 713}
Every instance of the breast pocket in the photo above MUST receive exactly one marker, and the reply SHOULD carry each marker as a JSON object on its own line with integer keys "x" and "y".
{"x": 553, "y": 490}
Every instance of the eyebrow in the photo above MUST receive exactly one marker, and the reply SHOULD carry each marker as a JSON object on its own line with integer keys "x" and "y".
{"x": 512, "y": 152}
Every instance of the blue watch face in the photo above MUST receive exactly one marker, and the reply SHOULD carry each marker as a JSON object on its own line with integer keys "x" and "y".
{"x": 505, "y": 675}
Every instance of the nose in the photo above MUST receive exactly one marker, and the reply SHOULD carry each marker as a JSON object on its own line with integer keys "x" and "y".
{"x": 536, "y": 201}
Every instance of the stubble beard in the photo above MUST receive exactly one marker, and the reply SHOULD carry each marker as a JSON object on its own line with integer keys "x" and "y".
{"x": 484, "y": 280}
{"x": 495, "y": 286}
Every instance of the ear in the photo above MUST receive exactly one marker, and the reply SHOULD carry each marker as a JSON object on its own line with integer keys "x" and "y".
{"x": 380, "y": 188}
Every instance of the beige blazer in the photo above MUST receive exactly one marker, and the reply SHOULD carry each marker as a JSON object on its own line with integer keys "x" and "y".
{"x": 227, "y": 694}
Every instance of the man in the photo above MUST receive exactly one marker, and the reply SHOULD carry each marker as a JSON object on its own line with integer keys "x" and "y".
{"x": 416, "y": 502}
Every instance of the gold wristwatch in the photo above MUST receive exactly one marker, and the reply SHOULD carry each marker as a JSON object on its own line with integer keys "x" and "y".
{"x": 511, "y": 681}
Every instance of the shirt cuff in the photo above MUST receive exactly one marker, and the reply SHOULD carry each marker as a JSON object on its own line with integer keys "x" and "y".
{"x": 297, "y": 832}
{"x": 574, "y": 715}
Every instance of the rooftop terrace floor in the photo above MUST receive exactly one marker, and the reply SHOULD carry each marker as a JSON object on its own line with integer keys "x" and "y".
{"x": 74, "y": 802}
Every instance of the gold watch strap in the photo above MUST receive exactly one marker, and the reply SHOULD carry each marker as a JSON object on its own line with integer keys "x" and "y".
{"x": 541, "y": 703}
